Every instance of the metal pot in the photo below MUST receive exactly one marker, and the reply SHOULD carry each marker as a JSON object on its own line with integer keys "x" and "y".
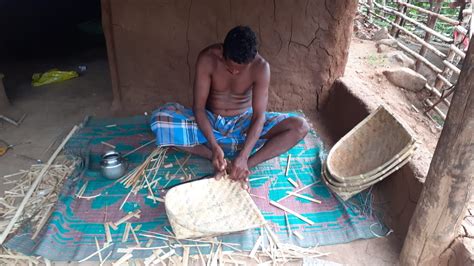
{"x": 112, "y": 165}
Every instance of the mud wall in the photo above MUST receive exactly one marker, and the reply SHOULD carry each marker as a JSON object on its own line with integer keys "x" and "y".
{"x": 153, "y": 44}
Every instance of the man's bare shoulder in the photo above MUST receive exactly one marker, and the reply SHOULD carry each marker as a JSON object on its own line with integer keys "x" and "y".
{"x": 260, "y": 65}
{"x": 210, "y": 56}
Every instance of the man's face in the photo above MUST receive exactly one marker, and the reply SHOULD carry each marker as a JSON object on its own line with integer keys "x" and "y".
{"x": 233, "y": 67}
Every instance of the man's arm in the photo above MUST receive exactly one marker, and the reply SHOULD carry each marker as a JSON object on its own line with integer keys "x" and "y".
{"x": 259, "y": 105}
{"x": 202, "y": 86}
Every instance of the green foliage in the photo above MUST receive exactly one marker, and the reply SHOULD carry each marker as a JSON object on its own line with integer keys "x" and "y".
{"x": 440, "y": 25}
{"x": 375, "y": 60}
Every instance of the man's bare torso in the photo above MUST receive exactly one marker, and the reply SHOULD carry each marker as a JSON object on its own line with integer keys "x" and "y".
{"x": 230, "y": 94}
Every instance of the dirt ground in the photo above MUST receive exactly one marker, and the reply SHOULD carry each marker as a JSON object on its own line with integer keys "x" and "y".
{"x": 53, "y": 109}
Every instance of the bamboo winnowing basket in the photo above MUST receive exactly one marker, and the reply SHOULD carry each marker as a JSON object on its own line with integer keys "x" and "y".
{"x": 372, "y": 145}
{"x": 210, "y": 207}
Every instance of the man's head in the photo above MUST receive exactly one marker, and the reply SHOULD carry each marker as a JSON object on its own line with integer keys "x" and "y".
{"x": 240, "y": 47}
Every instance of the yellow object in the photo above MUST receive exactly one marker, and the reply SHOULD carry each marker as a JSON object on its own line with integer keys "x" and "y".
{"x": 52, "y": 76}
{"x": 3, "y": 148}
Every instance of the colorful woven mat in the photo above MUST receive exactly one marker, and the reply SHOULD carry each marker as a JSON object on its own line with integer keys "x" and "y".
{"x": 76, "y": 222}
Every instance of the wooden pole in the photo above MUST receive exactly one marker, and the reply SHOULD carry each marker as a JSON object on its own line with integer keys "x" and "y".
{"x": 435, "y": 8}
{"x": 449, "y": 183}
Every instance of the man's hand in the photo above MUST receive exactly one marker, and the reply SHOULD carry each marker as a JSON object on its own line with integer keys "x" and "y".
{"x": 240, "y": 170}
{"x": 218, "y": 160}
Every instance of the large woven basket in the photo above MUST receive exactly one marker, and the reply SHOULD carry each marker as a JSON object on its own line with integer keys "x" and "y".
{"x": 210, "y": 207}
{"x": 375, "y": 143}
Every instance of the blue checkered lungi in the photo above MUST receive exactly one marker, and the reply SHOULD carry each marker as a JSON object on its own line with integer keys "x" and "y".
{"x": 175, "y": 125}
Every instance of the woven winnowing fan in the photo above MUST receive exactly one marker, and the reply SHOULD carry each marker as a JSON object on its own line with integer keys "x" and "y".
{"x": 210, "y": 207}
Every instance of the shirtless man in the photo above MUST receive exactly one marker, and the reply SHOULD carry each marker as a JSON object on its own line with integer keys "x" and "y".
{"x": 229, "y": 115}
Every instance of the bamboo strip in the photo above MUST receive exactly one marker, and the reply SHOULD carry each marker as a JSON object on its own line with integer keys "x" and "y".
{"x": 135, "y": 235}
{"x": 298, "y": 235}
{"x": 127, "y": 217}
{"x": 38, "y": 179}
{"x": 95, "y": 253}
{"x": 299, "y": 190}
{"x": 288, "y": 164}
{"x": 278, "y": 205}
{"x": 98, "y": 249}
{"x": 126, "y": 232}
{"x": 292, "y": 182}
{"x": 142, "y": 146}
{"x": 108, "y": 144}
{"x": 288, "y": 225}
{"x": 185, "y": 256}
{"x": 42, "y": 222}
{"x": 303, "y": 197}
{"x": 164, "y": 257}
{"x": 123, "y": 259}
{"x": 108, "y": 235}
{"x": 258, "y": 243}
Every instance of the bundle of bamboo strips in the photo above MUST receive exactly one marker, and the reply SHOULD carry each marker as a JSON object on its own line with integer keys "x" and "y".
{"x": 41, "y": 202}
{"x": 39, "y": 206}
{"x": 145, "y": 175}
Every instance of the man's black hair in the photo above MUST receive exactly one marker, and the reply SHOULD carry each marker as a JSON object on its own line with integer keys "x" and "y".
{"x": 240, "y": 45}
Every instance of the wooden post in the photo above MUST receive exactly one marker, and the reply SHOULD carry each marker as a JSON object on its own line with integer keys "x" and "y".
{"x": 4, "y": 103}
{"x": 449, "y": 183}
{"x": 398, "y": 20}
{"x": 436, "y": 7}
{"x": 371, "y": 8}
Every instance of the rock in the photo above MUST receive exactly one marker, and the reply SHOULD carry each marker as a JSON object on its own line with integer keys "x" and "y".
{"x": 362, "y": 35}
{"x": 357, "y": 25}
{"x": 405, "y": 78}
{"x": 380, "y": 34}
{"x": 400, "y": 58}
{"x": 387, "y": 42}
{"x": 468, "y": 224}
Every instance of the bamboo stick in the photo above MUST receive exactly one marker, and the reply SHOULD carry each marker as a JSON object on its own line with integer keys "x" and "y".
{"x": 457, "y": 51}
{"x": 299, "y": 190}
{"x": 410, "y": 34}
{"x": 142, "y": 146}
{"x": 108, "y": 144}
{"x": 292, "y": 182}
{"x": 417, "y": 56}
{"x": 278, "y": 205}
{"x": 430, "y": 104}
{"x": 418, "y": 24}
{"x": 38, "y": 179}
{"x": 428, "y": 12}
{"x": 298, "y": 235}
{"x": 127, "y": 217}
{"x": 186, "y": 256}
{"x": 452, "y": 67}
{"x": 98, "y": 249}
{"x": 95, "y": 253}
{"x": 288, "y": 164}
{"x": 444, "y": 80}
{"x": 303, "y": 197}
{"x": 123, "y": 259}
{"x": 108, "y": 235}
{"x": 288, "y": 225}
{"x": 43, "y": 221}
